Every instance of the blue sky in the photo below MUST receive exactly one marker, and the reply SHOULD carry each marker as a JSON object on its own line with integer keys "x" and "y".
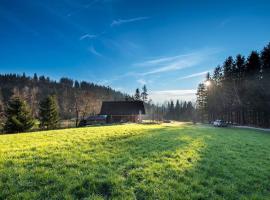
{"x": 167, "y": 45}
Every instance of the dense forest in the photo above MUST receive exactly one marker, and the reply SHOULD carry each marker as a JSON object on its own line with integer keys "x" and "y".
{"x": 238, "y": 91}
{"x": 178, "y": 111}
{"x": 74, "y": 98}
{"x": 170, "y": 110}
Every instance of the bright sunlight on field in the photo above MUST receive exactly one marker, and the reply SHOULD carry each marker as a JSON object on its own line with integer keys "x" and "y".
{"x": 136, "y": 162}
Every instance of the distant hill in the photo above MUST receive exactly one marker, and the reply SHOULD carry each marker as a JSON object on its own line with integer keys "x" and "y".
{"x": 74, "y": 97}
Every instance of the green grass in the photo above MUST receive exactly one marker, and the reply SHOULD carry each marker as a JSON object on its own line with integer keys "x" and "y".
{"x": 136, "y": 162}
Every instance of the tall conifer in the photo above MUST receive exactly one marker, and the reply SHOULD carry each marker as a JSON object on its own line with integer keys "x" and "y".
{"x": 18, "y": 116}
{"x": 48, "y": 113}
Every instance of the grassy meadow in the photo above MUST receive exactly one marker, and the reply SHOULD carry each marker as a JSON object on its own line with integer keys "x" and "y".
{"x": 174, "y": 161}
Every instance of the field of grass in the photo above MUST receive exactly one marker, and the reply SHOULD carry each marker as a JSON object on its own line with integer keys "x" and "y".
{"x": 179, "y": 161}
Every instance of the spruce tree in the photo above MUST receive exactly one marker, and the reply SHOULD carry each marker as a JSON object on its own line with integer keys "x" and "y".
{"x": 144, "y": 93}
{"x": 18, "y": 116}
{"x": 48, "y": 113}
{"x": 137, "y": 95}
{"x": 35, "y": 78}
{"x": 265, "y": 57}
{"x": 177, "y": 110}
{"x": 201, "y": 101}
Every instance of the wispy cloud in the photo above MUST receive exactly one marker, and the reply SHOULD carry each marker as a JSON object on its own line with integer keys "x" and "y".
{"x": 163, "y": 95}
{"x": 178, "y": 62}
{"x": 159, "y": 61}
{"x": 177, "y": 65}
{"x": 142, "y": 81}
{"x": 94, "y": 51}
{"x": 124, "y": 21}
{"x": 87, "y": 36}
{"x": 147, "y": 81}
{"x": 194, "y": 75}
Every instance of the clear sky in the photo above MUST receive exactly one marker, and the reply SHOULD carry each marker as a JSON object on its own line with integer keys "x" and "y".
{"x": 167, "y": 45}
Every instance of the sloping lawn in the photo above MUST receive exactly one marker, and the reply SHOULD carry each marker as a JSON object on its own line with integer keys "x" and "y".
{"x": 178, "y": 161}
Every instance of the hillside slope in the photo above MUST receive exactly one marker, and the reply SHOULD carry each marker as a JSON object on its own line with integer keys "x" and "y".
{"x": 87, "y": 96}
{"x": 179, "y": 161}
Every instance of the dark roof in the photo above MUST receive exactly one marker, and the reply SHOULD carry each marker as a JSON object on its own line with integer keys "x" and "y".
{"x": 122, "y": 108}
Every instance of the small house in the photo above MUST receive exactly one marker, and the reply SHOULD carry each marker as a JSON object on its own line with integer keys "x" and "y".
{"x": 122, "y": 111}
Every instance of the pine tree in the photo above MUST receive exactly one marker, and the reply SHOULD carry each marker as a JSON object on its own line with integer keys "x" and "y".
{"x": 177, "y": 110}
{"x": 18, "y": 116}
{"x": 217, "y": 75}
{"x": 253, "y": 66}
{"x": 265, "y": 58}
{"x": 201, "y": 101}
{"x": 35, "y": 77}
{"x": 144, "y": 93}
{"x": 76, "y": 84}
{"x": 171, "y": 110}
{"x": 137, "y": 95}
{"x": 48, "y": 113}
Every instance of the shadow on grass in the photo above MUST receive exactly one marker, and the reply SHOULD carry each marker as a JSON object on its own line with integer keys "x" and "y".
{"x": 140, "y": 164}
{"x": 235, "y": 165}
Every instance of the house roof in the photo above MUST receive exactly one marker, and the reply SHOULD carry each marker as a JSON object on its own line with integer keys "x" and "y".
{"x": 122, "y": 108}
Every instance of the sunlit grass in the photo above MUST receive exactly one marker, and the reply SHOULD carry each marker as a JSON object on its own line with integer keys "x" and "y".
{"x": 178, "y": 161}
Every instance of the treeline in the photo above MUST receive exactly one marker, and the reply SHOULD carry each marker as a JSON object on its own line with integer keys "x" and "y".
{"x": 74, "y": 99}
{"x": 238, "y": 91}
{"x": 178, "y": 111}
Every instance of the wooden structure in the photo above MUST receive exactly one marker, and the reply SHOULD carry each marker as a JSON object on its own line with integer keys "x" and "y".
{"x": 122, "y": 111}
